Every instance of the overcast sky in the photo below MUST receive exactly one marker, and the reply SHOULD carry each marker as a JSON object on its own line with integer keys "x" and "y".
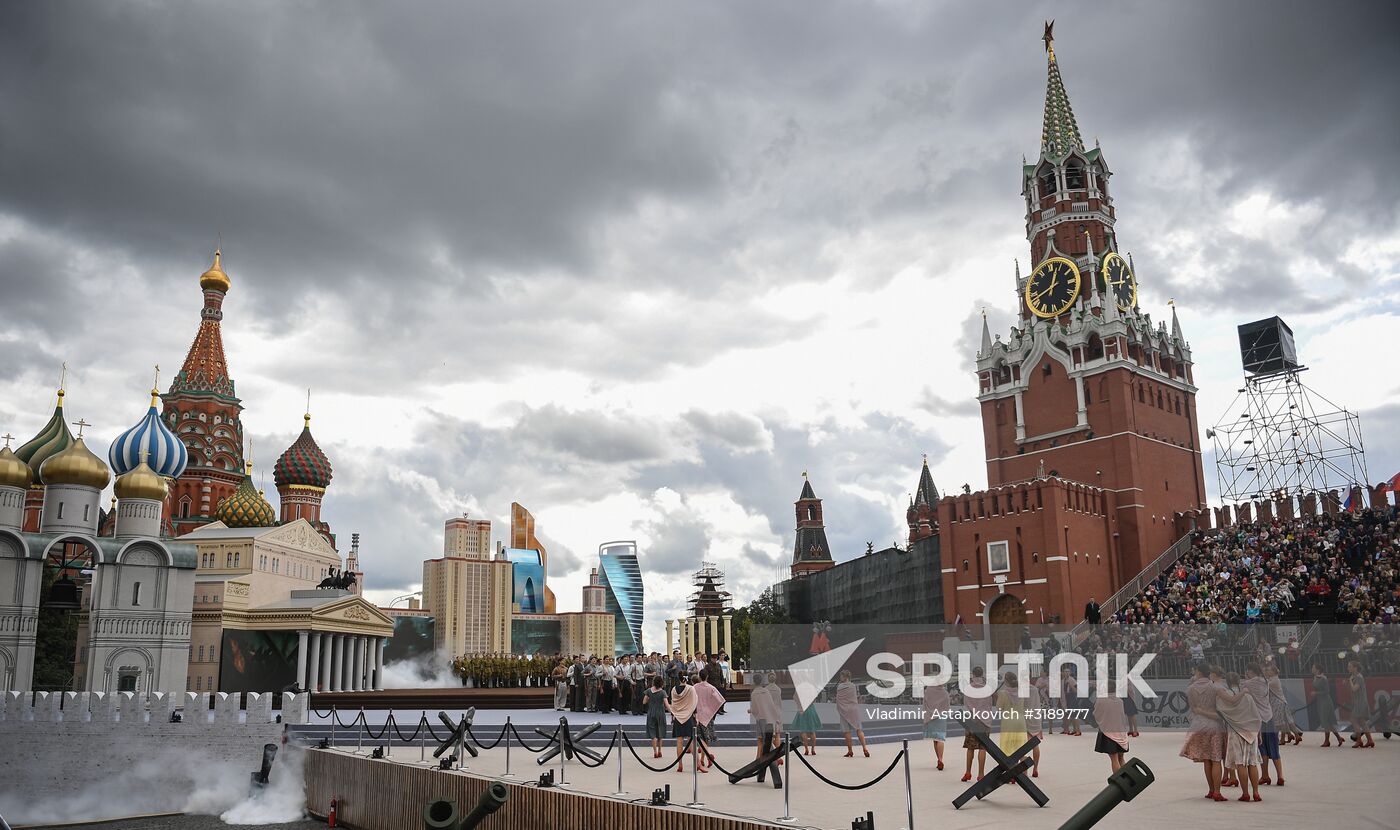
{"x": 637, "y": 266}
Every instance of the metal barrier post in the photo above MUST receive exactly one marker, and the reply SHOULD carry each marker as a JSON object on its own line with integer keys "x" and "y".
{"x": 787, "y": 817}
{"x": 389, "y": 736}
{"x": 423, "y": 741}
{"x": 507, "y": 773}
{"x": 695, "y": 769}
{"x": 908, "y": 788}
{"x": 360, "y": 731}
{"x": 563, "y": 735}
{"x": 332, "y": 743}
{"x": 461, "y": 744}
{"x": 618, "y": 747}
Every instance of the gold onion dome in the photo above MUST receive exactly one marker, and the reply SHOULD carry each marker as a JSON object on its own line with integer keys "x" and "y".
{"x": 246, "y": 507}
{"x": 76, "y": 466}
{"x": 214, "y": 278}
{"x": 141, "y": 483}
{"x": 13, "y": 472}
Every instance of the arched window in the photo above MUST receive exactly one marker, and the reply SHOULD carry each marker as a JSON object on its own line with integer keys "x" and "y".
{"x": 1095, "y": 347}
{"x": 1074, "y": 175}
{"x": 1046, "y": 177}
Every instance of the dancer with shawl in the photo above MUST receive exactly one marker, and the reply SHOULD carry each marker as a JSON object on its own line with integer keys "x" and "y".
{"x": 848, "y": 708}
{"x": 1112, "y": 719}
{"x": 681, "y": 705}
{"x": 708, "y": 702}
{"x": 936, "y": 704}
{"x": 1361, "y": 737}
{"x": 1283, "y": 711}
{"x": 1035, "y": 723}
{"x": 1012, "y": 708}
{"x": 1258, "y": 687}
{"x": 1242, "y": 720}
{"x": 1205, "y": 742}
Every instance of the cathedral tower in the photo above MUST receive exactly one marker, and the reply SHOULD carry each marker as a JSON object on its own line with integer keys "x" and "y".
{"x": 1087, "y": 387}
{"x": 923, "y": 507}
{"x": 204, "y": 412}
{"x": 302, "y": 474}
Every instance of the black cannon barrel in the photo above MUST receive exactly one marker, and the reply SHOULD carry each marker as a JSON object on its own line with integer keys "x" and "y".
{"x": 492, "y": 799}
{"x": 440, "y": 815}
{"x": 1124, "y": 785}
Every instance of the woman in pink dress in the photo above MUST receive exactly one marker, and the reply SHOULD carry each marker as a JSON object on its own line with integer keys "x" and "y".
{"x": 1241, "y": 717}
{"x": 1205, "y": 742}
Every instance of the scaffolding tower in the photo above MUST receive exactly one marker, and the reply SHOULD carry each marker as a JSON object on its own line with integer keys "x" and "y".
{"x": 1281, "y": 439}
{"x": 709, "y": 598}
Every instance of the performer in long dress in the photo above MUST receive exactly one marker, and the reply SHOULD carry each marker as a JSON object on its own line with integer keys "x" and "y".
{"x": 1205, "y": 740}
{"x": 936, "y": 704}
{"x": 1035, "y": 720}
{"x": 979, "y": 714}
{"x": 1112, "y": 719}
{"x": 1282, "y": 709}
{"x": 1326, "y": 707}
{"x": 806, "y": 724}
{"x": 1012, "y": 709}
{"x": 848, "y": 708}
{"x": 1258, "y": 687}
{"x": 1241, "y": 716}
{"x": 708, "y": 702}
{"x": 1361, "y": 737}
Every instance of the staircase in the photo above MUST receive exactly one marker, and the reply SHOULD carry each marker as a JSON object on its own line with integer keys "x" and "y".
{"x": 1134, "y": 586}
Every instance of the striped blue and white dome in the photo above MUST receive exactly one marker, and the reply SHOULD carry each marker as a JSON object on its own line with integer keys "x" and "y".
{"x": 167, "y": 456}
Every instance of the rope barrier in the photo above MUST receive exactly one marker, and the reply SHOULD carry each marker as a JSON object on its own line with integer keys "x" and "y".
{"x": 493, "y": 744}
{"x": 686, "y": 751}
{"x": 877, "y": 779}
{"x": 416, "y": 731}
{"x": 546, "y": 745}
{"x": 582, "y": 760}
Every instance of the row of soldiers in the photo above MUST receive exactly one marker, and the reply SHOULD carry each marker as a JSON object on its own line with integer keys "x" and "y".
{"x": 505, "y": 670}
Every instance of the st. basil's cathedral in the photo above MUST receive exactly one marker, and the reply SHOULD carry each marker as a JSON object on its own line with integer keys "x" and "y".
{"x": 191, "y": 566}
{"x": 192, "y": 438}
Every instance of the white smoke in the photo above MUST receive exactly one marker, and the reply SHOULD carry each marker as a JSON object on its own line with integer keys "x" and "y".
{"x": 427, "y": 671}
{"x": 170, "y": 781}
{"x": 281, "y": 801}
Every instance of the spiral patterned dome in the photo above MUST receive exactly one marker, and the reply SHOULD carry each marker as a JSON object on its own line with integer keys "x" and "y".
{"x": 141, "y": 483}
{"x": 53, "y": 439}
{"x": 303, "y": 464}
{"x": 165, "y": 454}
{"x": 77, "y": 466}
{"x": 13, "y": 472}
{"x": 246, "y": 507}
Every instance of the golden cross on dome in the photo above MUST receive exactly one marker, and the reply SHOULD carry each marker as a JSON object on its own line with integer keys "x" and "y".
{"x": 81, "y": 424}
{"x": 8, "y": 438}
{"x": 63, "y": 377}
{"x": 307, "y": 416}
{"x": 804, "y": 473}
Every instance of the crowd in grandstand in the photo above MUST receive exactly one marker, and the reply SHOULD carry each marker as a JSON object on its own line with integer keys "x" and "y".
{"x": 1343, "y": 566}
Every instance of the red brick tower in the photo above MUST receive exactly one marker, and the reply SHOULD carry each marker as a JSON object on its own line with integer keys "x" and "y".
{"x": 203, "y": 410}
{"x": 810, "y": 552}
{"x": 1086, "y": 387}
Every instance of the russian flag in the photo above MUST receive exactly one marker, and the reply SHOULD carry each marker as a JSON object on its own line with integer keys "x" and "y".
{"x": 1348, "y": 505}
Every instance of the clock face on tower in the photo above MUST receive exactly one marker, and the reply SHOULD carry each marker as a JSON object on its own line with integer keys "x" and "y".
{"x": 1052, "y": 288}
{"x": 1120, "y": 280}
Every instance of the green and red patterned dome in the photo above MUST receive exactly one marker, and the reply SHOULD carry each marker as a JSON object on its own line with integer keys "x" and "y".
{"x": 303, "y": 464}
{"x": 246, "y": 507}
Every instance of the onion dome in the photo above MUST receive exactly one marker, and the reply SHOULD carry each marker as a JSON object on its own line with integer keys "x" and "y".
{"x": 215, "y": 278}
{"x": 54, "y": 438}
{"x": 303, "y": 464}
{"x": 152, "y": 440}
{"x": 141, "y": 482}
{"x": 77, "y": 466}
{"x": 246, "y": 507}
{"x": 13, "y": 472}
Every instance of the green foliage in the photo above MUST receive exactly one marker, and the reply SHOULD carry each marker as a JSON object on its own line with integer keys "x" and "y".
{"x": 765, "y": 610}
{"x": 55, "y": 643}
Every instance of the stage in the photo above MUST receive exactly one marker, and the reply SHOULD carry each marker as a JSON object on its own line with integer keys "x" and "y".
{"x": 1325, "y": 786}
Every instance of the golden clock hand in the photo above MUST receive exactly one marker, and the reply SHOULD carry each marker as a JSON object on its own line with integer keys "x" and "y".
{"x": 1053, "y": 283}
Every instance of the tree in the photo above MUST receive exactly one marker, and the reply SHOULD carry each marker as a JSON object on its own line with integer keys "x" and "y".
{"x": 765, "y": 610}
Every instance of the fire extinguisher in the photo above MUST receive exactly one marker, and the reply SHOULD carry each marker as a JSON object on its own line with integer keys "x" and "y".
{"x": 330, "y": 817}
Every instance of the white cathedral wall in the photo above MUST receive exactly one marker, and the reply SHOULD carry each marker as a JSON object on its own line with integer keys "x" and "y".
{"x": 20, "y": 583}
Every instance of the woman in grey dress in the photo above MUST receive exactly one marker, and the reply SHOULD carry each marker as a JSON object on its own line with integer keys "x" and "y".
{"x": 1360, "y": 708}
{"x": 1326, "y": 707}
